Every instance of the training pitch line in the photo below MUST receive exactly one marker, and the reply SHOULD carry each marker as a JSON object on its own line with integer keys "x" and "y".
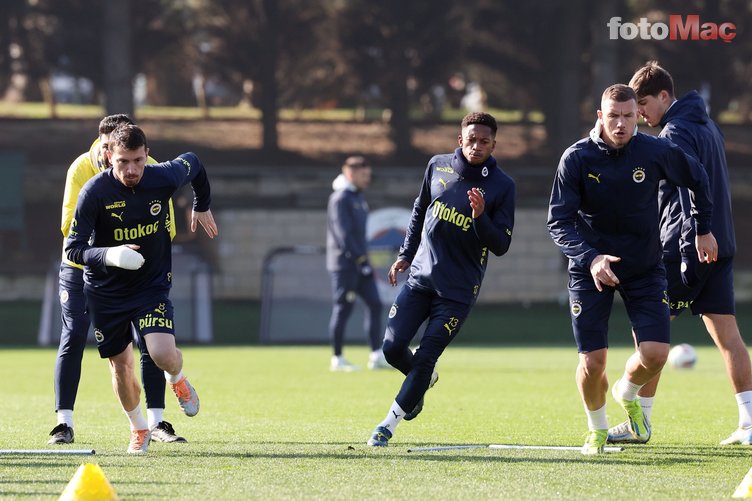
{"x": 48, "y": 452}
{"x": 506, "y": 446}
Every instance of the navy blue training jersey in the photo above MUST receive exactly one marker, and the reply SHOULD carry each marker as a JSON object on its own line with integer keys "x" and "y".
{"x": 605, "y": 201}
{"x": 448, "y": 249}
{"x": 346, "y": 218}
{"x": 687, "y": 124}
{"x": 109, "y": 214}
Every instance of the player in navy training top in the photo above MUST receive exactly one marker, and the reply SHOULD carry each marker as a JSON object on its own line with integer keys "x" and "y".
{"x": 118, "y": 235}
{"x": 347, "y": 262}
{"x": 603, "y": 215}
{"x": 705, "y": 288}
{"x": 465, "y": 210}
{"x": 75, "y": 317}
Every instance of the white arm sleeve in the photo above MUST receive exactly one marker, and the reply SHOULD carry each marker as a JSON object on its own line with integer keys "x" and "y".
{"x": 123, "y": 257}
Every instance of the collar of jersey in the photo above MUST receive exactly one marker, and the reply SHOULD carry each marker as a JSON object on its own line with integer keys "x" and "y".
{"x": 471, "y": 172}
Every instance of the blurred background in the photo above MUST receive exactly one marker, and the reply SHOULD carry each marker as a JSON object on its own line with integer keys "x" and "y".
{"x": 273, "y": 95}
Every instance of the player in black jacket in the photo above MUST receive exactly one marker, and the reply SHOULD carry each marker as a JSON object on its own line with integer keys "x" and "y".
{"x": 464, "y": 210}
{"x": 347, "y": 262}
{"x": 706, "y": 289}
{"x": 118, "y": 235}
{"x": 603, "y": 215}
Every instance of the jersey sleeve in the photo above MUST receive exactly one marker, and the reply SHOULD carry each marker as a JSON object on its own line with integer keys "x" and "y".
{"x": 77, "y": 246}
{"x": 563, "y": 210}
{"x": 80, "y": 171}
{"x": 343, "y": 229}
{"x": 415, "y": 227}
{"x": 171, "y": 214}
{"x": 680, "y": 136}
{"x": 495, "y": 230}
{"x": 684, "y": 170}
{"x": 196, "y": 175}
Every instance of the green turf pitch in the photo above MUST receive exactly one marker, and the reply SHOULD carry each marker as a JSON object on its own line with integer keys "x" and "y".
{"x": 276, "y": 424}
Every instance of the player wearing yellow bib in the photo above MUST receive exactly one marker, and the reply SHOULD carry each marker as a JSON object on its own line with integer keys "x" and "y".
{"x": 75, "y": 316}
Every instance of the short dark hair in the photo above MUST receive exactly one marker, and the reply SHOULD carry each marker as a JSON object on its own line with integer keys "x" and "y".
{"x": 651, "y": 79}
{"x": 619, "y": 93}
{"x": 111, "y": 122}
{"x": 355, "y": 162}
{"x": 128, "y": 137}
{"x": 480, "y": 118}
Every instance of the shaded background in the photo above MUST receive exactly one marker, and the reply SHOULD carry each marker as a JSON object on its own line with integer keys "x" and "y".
{"x": 274, "y": 94}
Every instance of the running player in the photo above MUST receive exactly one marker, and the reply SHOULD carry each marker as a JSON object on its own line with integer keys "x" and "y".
{"x": 76, "y": 319}
{"x": 465, "y": 209}
{"x": 118, "y": 234}
{"x": 603, "y": 215}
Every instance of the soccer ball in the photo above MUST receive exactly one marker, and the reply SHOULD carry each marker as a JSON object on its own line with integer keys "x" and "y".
{"x": 682, "y": 356}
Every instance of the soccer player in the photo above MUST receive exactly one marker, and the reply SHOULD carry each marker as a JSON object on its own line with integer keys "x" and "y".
{"x": 705, "y": 288}
{"x": 118, "y": 234}
{"x": 347, "y": 262}
{"x": 75, "y": 317}
{"x": 465, "y": 209}
{"x": 603, "y": 215}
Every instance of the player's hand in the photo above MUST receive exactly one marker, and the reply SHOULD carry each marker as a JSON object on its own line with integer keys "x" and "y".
{"x": 399, "y": 266}
{"x": 124, "y": 256}
{"x": 206, "y": 220}
{"x": 707, "y": 248}
{"x": 477, "y": 203}
{"x": 600, "y": 268}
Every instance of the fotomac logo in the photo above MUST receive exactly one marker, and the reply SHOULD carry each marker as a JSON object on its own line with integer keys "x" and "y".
{"x": 678, "y": 28}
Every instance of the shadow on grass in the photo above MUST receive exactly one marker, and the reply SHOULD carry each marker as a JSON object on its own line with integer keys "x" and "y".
{"x": 656, "y": 456}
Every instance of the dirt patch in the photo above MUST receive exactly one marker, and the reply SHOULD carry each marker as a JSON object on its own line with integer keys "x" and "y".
{"x": 233, "y": 142}
{"x": 238, "y": 142}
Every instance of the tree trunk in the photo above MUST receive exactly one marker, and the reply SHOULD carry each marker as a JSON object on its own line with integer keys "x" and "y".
{"x": 604, "y": 53}
{"x": 562, "y": 88}
{"x": 268, "y": 81}
{"x": 118, "y": 73}
{"x": 399, "y": 102}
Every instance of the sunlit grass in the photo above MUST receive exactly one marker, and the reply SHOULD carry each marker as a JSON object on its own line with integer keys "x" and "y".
{"x": 276, "y": 424}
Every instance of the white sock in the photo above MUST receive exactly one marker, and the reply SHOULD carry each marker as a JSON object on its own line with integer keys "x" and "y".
{"x": 136, "y": 418}
{"x": 647, "y": 406}
{"x": 154, "y": 416}
{"x": 744, "y": 399}
{"x": 375, "y": 354}
{"x": 173, "y": 379}
{"x": 65, "y": 416}
{"x": 393, "y": 417}
{"x": 626, "y": 389}
{"x": 597, "y": 420}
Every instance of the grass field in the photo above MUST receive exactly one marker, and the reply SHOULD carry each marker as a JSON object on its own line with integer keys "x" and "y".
{"x": 275, "y": 424}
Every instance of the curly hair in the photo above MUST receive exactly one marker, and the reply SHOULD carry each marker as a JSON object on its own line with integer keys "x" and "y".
{"x": 480, "y": 118}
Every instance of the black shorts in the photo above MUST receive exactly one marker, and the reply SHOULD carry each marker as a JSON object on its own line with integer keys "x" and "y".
{"x": 644, "y": 298}
{"x": 713, "y": 293}
{"x": 113, "y": 323}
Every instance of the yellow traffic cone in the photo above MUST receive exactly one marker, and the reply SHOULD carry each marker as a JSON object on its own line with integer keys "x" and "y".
{"x": 89, "y": 484}
{"x": 744, "y": 490}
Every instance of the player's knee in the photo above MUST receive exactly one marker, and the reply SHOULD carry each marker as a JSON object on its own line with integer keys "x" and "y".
{"x": 654, "y": 357}
{"x": 168, "y": 360}
{"x": 593, "y": 367}
{"x": 393, "y": 352}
